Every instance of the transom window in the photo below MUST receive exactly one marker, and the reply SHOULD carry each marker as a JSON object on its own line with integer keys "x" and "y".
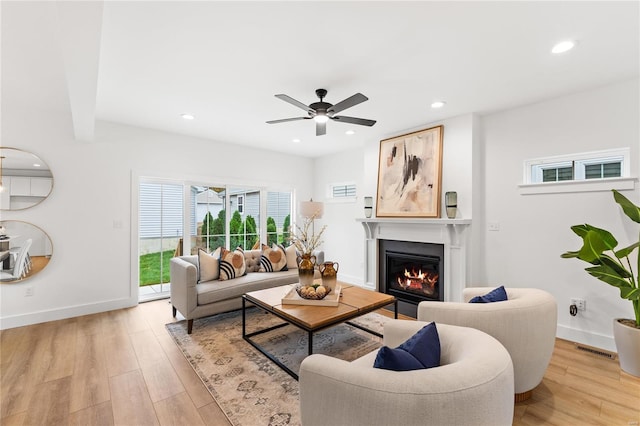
{"x": 578, "y": 167}
{"x": 343, "y": 190}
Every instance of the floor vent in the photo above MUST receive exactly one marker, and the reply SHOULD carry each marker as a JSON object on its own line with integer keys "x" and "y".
{"x": 596, "y": 351}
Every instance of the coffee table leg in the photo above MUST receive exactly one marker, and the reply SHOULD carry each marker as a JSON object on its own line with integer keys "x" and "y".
{"x": 310, "y": 342}
{"x": 395, "y": 309}
{"x": 244, "y": 318}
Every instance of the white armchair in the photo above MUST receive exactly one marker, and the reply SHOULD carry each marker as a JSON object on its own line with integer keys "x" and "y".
{"x": 473, "y": 385}
{"x": 525, "y": 324}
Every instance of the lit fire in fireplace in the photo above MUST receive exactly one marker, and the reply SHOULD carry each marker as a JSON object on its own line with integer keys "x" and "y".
{"x": 418, "y": 280}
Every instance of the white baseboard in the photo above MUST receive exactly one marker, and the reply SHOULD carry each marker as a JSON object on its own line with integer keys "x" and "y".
{"x": 63, "y": 313}
{"x": 586, "y": 338}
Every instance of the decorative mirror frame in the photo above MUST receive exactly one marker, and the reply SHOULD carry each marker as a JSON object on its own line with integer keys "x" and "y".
{"x": 25, "y": 179}
{"x": 25, "y": 245}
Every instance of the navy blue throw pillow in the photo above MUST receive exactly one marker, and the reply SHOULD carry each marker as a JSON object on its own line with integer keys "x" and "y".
{"x": 496, "y": 295}
{"x": 422, "y": 350}
{"x": 396, "y": 360}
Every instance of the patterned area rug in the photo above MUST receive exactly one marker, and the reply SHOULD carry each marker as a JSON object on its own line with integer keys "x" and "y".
{"x": 250, "y": 389}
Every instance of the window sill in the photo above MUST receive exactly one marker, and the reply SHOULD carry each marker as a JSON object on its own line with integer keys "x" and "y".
{"x": 577, "y": 186}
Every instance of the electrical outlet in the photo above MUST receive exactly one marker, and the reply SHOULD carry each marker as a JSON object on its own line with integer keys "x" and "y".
{"x": 493, "y": 226}
{"x": 581, "y": 304}
{"x": 28, "y": 291}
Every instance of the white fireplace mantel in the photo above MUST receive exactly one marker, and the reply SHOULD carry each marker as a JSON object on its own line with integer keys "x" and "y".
{"x": 451, "y": 233}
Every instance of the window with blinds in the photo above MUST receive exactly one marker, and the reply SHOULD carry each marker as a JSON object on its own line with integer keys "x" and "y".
{"x": 347, "y": 190}
{"x": 578, "y": 167}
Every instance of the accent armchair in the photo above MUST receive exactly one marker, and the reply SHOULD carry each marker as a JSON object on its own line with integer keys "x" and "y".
{"x": 472, "y": 385}
{"x": 525, "y": 324}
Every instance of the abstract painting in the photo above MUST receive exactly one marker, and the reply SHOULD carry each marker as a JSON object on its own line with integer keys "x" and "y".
{"x": 409, "y": 174}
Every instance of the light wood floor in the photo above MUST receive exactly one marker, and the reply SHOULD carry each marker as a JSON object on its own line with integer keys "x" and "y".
{"x": 122, "y": 367}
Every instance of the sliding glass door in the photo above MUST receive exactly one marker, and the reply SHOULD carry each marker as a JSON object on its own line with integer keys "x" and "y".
{"x": 160, "y": 235}
{"x": 177, "y": 218}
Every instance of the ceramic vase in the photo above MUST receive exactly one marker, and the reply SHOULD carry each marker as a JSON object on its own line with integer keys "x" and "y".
{"x": 306, "y": 268}
{"x": 329, "y": 274}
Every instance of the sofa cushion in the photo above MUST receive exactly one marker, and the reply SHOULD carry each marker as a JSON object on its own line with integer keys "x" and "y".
{"x": 208, "y": 265}
{"x": 496, "y": 295}
{"x": 422, "y": 350}
{"x": 273, "y": 259}
{"x": 292, "y": 257}
{"x": 232, "y": 264}
{"x": 252, "y": 259}
{"x": 216, "y": 291}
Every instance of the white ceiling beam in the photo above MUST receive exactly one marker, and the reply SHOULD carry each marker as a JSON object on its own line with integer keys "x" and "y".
{"x": 80, "y": 26}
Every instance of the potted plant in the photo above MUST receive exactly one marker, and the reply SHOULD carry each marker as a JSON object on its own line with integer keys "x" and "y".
{"x": 614, "y": 268}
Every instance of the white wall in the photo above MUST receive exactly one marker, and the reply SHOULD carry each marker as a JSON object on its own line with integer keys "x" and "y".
{"x": 343, "y": 240}
{"x": 88, "y": 214}
{"x": 534, "y": 229}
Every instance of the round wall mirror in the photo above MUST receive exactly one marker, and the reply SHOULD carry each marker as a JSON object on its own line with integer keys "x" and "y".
{"x": 25, "y": 180}
{"x": 25, "y": 250}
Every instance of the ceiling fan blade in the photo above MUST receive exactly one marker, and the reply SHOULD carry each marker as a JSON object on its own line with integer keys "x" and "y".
{"x": 292, "y": 101}
{"x": 321, "y": 128}
{"x": 354, "y": 120}
{"x": 356, "y": 99}
{"x": 284, "y": 120}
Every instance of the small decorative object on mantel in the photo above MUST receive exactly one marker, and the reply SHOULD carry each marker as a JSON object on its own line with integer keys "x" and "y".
{"x": 368, "y": 206}
{"x": 409, "y": 175}
{"x": 306, "y": 242}
{"x": 451, "y": 203}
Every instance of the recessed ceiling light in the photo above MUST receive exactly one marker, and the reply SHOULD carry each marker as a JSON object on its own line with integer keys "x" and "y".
{"x": 187, "y": 116}
{"x": 563, "y": 46}
{"x": 36, "y": 165}
{"x": 296, "y": 140}
{"x": 350, "y": 132}
{"x": 438, "y": 104}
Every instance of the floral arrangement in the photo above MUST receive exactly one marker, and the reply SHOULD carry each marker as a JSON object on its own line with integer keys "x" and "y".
{"x": 304, "y": 241}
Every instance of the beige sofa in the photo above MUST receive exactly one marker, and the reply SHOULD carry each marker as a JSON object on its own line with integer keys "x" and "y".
{"x": 472, "y": 386}
{"x": 200, "y": 299}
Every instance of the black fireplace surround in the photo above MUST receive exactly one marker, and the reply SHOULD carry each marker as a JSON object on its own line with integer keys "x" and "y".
{"x": 413, "y": 272}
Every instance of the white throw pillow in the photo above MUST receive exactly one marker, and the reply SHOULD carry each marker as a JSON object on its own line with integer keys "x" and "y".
{"x": 292, "y": 257}
{"x": 209, "y": 265}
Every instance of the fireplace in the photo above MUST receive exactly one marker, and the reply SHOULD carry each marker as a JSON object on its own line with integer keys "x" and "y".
{"x": 412, "y": 272}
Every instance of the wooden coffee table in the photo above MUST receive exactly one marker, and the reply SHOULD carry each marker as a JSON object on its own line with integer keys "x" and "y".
{"x": 354, "y": 302}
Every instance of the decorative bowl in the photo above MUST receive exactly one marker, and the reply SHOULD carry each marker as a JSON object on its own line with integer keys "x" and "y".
{"x": 312, "y": 292}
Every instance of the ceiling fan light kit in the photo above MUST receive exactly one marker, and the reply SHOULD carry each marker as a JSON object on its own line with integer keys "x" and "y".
{"x": 321, "y": 111}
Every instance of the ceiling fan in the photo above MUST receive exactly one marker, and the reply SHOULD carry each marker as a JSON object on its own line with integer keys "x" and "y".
{"x": 321, "y": 112}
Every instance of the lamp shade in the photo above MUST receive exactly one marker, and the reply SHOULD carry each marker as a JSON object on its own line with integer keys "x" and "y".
{"x": 310, "y": 208}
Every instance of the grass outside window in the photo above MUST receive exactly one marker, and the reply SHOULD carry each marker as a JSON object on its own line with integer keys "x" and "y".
{"x": 151, "y": 270}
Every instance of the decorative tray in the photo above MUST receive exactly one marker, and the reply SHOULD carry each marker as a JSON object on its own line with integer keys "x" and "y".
{"x": 331, "y": 299}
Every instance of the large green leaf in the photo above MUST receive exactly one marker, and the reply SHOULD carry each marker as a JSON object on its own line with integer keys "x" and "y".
{"x": 615, "y": 266}
{"x": 630, "y": 293}
{"x": 580, "y": 230}
{"x": 627, "y": 250}
{"x": 595, "y": 242}
{"x": 609, "y": 276}
{"x": 630, "y": 209}
{"x": 570, "y": 254}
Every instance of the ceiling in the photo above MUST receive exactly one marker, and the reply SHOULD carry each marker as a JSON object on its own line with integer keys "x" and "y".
{"x": 146, "y": 63}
